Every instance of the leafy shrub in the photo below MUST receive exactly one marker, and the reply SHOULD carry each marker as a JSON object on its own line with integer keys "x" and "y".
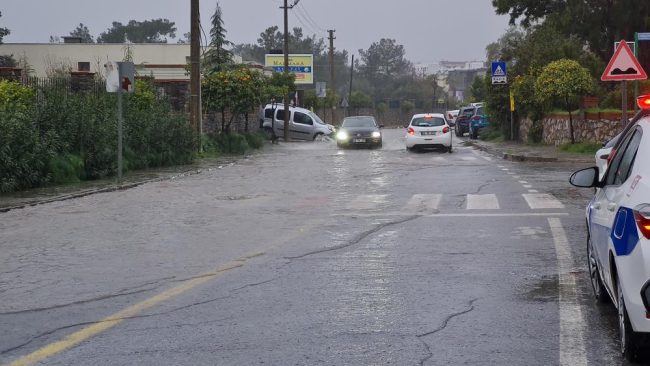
{"x": 581, "y": 148}
{"x": 14, "y": 97}
{"x": 490, "y": 133}
{"x": 231, "y": 143}
{"x": 255, "y": 140}
{"x": 66, "y": 168}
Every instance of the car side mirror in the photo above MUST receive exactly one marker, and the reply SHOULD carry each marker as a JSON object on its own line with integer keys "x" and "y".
{"x": 585, "y": 178}
{"x": 381, "y": 126}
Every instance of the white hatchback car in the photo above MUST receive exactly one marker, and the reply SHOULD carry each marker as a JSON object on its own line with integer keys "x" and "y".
{"x": 618, "y": 222}
{"x": 428, "y": 131}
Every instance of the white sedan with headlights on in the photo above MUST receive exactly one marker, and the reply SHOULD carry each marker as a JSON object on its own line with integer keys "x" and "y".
{"x": 428, "y": 131}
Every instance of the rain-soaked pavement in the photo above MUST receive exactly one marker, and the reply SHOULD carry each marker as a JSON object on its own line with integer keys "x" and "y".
{"x": 306, "y": 255}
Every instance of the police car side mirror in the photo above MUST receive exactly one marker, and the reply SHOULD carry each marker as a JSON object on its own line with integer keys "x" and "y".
{"x": 585, "y": 178}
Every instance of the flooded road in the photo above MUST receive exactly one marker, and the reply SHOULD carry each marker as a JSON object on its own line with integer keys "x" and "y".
{"x": 308, "y": 254}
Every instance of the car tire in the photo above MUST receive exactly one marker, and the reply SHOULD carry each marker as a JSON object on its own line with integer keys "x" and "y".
{"x": 379, "y": 145}
{"x": 632, "y": 343}
{"x": 594, "y": 274}
{"x": 318, "y": 137}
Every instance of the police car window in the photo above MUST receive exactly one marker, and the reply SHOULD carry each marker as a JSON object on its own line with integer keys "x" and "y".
{"x": 614, "y": 175}
{"x": 624, "y": 169}
{"x": 302, "y": 118}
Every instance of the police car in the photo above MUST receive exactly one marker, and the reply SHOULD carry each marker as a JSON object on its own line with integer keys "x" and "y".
{"x": 429, "y": 130}
{"x": 618, "y": 221}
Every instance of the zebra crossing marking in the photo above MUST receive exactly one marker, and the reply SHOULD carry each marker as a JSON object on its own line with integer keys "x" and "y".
{"x": 482, "y": 202}
{"x": 424, "y": 202}
{"x": 368, "y": 202}
{"x": 542, "y": 201}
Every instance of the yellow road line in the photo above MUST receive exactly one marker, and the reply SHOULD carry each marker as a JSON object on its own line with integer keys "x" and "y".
{"x": 115, "y": 319}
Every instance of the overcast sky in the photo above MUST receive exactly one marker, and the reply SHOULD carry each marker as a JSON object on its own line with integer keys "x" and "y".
{"x": 431, "y": 30}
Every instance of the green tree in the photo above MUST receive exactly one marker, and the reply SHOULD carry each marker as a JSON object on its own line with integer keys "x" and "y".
{"x": 478, "y": 89}
{"x": 598, "y": 23}
{"x": 385, "y": 67}
{"x": 148, "y": 31}
{"x": 217, "y": 57}
{"x": 564, "y": 81}
{"x": 6, "y": 60}
{"x": 82, "y": 32}
{"x": 3, "y": 31}
{"x": 360, "y": 99}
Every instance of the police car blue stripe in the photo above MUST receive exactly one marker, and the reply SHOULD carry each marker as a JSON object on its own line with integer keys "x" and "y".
{"x": 624, "y": 235}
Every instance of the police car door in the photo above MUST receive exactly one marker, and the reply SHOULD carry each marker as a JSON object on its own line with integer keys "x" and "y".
{"x": 608, "y": 220}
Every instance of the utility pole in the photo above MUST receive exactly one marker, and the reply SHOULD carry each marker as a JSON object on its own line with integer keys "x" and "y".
{"x": 332, "y": 80}
{"x": 351, "y": 75}
{"x": 287, "y": 97}
{"x": 195, "y": 69}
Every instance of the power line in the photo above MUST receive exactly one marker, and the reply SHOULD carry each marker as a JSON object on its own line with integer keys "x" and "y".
{"x": 310, "y": 19}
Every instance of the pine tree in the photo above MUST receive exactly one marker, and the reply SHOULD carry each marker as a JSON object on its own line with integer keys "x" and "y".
{"x": 217, "y": 57}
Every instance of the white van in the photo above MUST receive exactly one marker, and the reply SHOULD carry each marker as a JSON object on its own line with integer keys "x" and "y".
{"x": 303, "y": 123}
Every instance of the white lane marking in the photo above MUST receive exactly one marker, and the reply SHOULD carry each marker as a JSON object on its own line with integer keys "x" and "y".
{"x": 505, "y": 169}
{"x": 516, "y": 176}
{"x": 511, "y": 173}
{"x": 572, "y": 324}
{"x": 533, "y": 191}
{"x": 542, "y": 200}
{"x": 523, "y": 182}
{"x": 440, "y": 159}
{"x": 482, "y": 202}
{"x": 368, "y": 202}
{"x": 528, "y": 186}
{"x": 468, "y": 158}
{"x": 508, "y": 214}
{"x": 500, "y": 166}
{"x": 423, "y": 202}
{"x": 487, "y": 158}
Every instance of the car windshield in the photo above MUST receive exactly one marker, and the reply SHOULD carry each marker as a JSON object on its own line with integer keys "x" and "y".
{"x": 468, "y": 112}
{"x": 428, "y": 122}
{"x": 315, "y": 117}
{"x": 359, "y": 122}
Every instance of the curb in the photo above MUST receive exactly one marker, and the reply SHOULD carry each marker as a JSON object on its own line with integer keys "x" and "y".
{"x": 115, "y": 188}
{"x": 524, "y": 157}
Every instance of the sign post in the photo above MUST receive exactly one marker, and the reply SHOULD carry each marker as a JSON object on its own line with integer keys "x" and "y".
{"x": 120, "y": 78}
{"x": 622, "y": 67}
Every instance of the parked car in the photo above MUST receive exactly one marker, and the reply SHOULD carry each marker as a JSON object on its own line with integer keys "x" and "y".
{"x": 462, "y": 122}
{"x": 618, "y": 223}
{"x": 451, "y": 117}
{"x": 303, "y": 123}
{"x": 359, "y": 131}
{"x": 428, "y": 131}
{"x": 603, "y": 154}
{"x": 478, "y": 121}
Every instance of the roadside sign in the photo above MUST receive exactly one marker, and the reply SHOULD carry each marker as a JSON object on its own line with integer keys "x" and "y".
{"x": 643, "y": 36}
{"x": 512, "y": 101}
{"x": 300, "y": 65}
{"x": 321, "y": 89}
{"x": 631, "y": 44}
{"x": 623, "y": 66}
{"x": 120, "y": 74}
{"x": 345, "y": 103}
{"x": 499, "y": 73}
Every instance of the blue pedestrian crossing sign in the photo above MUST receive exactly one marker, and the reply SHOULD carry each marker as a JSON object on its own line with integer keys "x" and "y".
{"x": 499, "y": 73}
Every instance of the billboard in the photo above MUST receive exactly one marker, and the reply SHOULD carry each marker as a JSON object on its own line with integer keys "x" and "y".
{"x": 300, "y": 65}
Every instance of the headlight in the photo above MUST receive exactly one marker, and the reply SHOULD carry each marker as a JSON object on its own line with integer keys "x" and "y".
{"x": 376, "y": 134}
{"x": 342, "y": 135}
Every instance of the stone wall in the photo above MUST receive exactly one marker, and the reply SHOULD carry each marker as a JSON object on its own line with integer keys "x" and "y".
{"x": 591, "y": 129}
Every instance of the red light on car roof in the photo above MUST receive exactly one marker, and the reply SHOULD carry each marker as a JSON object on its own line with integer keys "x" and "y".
{"x": 643, "y": 101}
{"x": 428, "y": 117}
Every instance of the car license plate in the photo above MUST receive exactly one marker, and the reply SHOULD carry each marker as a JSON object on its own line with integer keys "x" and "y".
{"x": 428, "y": 133}
{"x": 359, "y": 140}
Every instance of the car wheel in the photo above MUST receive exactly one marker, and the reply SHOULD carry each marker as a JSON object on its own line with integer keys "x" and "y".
{"x": 318, "y": 137}
{"x": 379, "y": 145}
{"x": 594, "y": 274}
{"x": 631, "y": 341}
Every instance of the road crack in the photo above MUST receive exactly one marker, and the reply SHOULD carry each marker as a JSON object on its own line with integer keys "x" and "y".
{"x": 82, "y": 324}
{"x": 442, "y": 326}
{"x": 358, "y": 239}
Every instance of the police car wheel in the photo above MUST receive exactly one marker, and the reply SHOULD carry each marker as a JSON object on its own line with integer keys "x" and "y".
{"x": 594, "y": 274}
{"x": 631, "y": 341}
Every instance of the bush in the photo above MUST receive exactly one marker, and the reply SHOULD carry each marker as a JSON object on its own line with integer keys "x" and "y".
{"x": 66, "y": 168}
{"x": 231, "y": 143}
{"x": 581, "y": 148}
{"x": 490, "y": 133}
{"x": 255, "y": 140}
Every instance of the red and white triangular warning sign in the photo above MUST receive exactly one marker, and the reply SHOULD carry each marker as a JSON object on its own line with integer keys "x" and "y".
{"x": 623, "y": 66}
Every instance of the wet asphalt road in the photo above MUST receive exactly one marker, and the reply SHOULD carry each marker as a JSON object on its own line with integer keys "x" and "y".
{"x": 309, "y": 255}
